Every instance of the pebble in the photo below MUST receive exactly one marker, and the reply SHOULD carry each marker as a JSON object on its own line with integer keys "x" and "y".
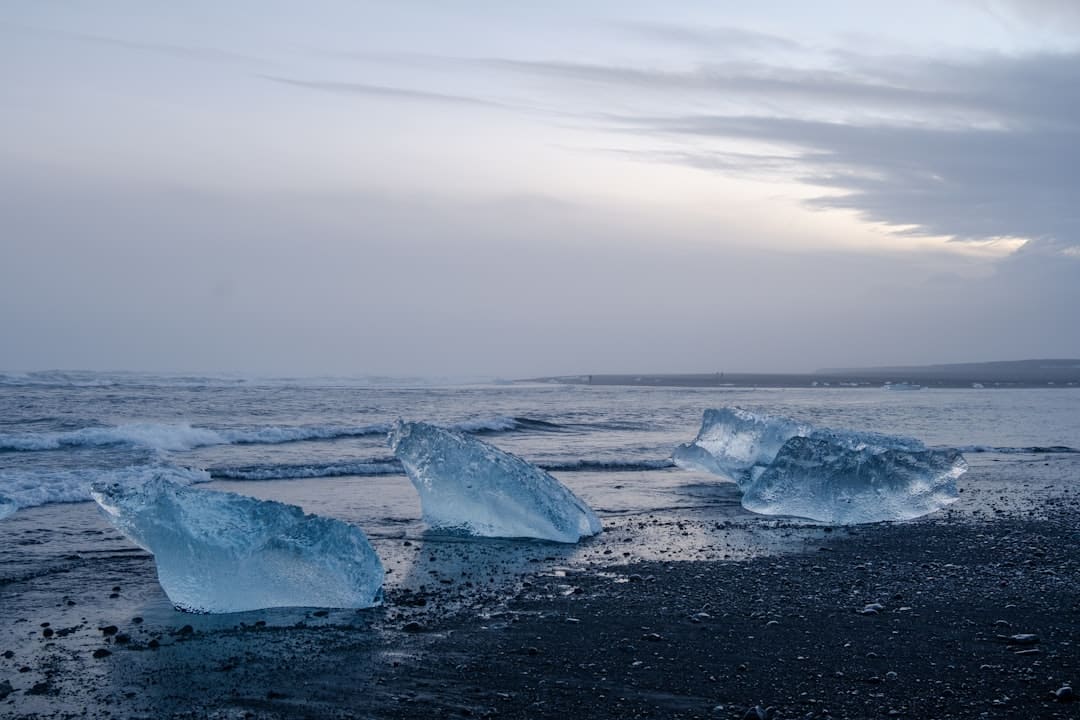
{"x": 1064, "y": 693}
{"x": 1022, "y": 639}
{"x": 413, "y": 627}
{"x": 109, "y": 630}
{"x": 5, "y": 689}
{"x": 101, "y": 653}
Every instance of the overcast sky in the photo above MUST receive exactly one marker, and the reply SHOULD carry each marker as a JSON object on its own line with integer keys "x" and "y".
{"x": 496, "y": 188}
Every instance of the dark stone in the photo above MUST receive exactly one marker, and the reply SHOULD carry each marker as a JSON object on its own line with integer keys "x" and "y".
{"x": 101, "y": 653}
{"x": 186, "y": 630}
{"x": 41, "y": 688}
{"x": 5, "y": 689}
{"x": 47, "y": 632}
{"x": 109, "y": 630}
{"x": 1064, "y": 694}
{"x": 413, "y": 627}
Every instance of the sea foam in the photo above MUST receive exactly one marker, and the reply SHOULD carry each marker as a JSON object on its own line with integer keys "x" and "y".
{"x": 24, "y": 488}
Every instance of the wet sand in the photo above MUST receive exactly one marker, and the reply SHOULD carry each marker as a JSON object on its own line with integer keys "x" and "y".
{"x": 698, "y": 636}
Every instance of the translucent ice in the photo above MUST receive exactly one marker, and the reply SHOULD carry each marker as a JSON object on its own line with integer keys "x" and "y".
{"x": 7, "y": 507}
{"x": 467, "y": 486}
{"x": 220, "y": 552}
{"x": 841, "y": 478}
{"x": 732, "y": 441}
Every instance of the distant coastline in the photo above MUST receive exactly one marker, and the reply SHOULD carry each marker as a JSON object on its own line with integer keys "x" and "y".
{"x": 1008, "y": 373}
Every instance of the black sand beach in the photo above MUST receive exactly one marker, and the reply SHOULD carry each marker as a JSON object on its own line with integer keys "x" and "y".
{"x": 969, "y": 614}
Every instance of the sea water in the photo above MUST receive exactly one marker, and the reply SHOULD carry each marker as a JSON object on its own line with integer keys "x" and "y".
{"x": 321, "y": 444}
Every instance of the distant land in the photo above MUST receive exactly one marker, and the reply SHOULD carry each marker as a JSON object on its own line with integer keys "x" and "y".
{"x": 1005, "y": 373}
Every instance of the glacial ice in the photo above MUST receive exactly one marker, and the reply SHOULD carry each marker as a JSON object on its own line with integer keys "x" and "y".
{"x": 469, "y": 487}
{"x": 785, "y": 467}
{"x": 218, "y": 552}
{"x": 7, "y": 507}
{"x": 732, "y": 441}
{"x": 836, "y": 479}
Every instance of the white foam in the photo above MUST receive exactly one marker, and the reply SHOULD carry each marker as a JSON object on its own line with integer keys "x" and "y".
{"x": 180, "y": 436}
{"x": 26, "y": 488}
{"x": 497, "y": 423}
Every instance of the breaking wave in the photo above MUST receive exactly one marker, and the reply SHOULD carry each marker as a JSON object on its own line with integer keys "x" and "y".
{"x": 388, "y": 466}
{"x": 181, "y": 436}
{"x": 31, "y": 488}
{"x": 184, "y": 436}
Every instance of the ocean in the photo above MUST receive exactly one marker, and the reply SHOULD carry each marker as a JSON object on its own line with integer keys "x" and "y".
{"x": 321, "y": 444}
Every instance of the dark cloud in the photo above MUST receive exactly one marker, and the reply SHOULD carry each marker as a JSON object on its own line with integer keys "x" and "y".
{"x": 978, "y": 149}
{"x": 971, "y": 184}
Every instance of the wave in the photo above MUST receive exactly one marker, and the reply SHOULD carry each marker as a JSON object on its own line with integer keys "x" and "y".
{"x": 608, "y": 465}
{"x": 180, "y": 436}
{"x": 184, "y": 436}
{"x": 24, "y": 488}
{"x": 388, "y": 466}
{"x": 391, "y": 466}
{"x": 1030, "y": 450}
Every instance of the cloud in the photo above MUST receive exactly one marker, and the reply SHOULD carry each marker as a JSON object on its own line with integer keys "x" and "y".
{"x": 183, "y": 52}
{"x": 979, "y": 148}
{"x": 386, "y": 91}
{"x": 1034, "y": 12}
{"x": 718, "y": 38}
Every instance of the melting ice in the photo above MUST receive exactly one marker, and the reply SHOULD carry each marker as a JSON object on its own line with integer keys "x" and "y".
{"x": 732, "y": 441}
{"x": 785, "y": 467}
{"x": 844, "y": 483}
{"x": 218, "y": 552}
{"x": 467, "y": 486}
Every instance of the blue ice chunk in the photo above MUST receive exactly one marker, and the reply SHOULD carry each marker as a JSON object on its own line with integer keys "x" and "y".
{"x": 471, "y": 488}
{"x": 837, "y": 477}
{"x": 219, "y": 552}
{"x": 732, "y": 441}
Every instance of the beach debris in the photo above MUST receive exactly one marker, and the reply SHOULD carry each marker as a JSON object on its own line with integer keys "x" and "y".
{"x": 840, "y": 477}
{"x": 220, "y": 552}
{"x": 470, "y": 488}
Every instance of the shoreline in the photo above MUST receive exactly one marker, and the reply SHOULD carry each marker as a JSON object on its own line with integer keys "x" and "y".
{"x": 688, "y": 639}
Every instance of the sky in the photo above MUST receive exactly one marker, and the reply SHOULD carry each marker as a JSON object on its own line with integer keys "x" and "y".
{"x": 483, "y": 188}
